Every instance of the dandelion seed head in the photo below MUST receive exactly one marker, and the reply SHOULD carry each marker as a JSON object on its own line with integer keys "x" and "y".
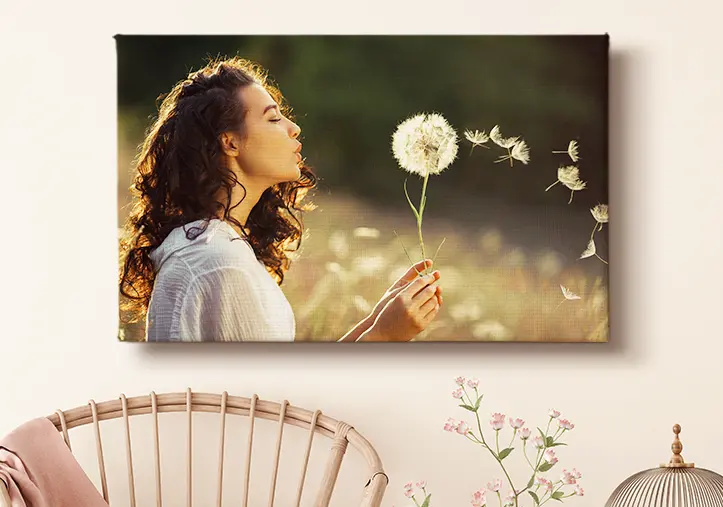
{"x": 600, "y": 212}
{"x": 499, "y": 140}
{"x": 521, "y": 152}
{"x": 425, "y": 144}
{"x": 476, "y": 137}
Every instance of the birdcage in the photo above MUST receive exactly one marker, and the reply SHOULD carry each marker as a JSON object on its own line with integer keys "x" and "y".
{"x": 672, "y": 484}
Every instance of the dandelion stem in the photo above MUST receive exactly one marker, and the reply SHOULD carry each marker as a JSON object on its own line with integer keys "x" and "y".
{"x": 572, "y": 192}
{"x": 593, "y": 232}
{"x": 509, "y": 155}
{"x": 422, "y": 203}
{"x": 556, "y": 182}
{"x": 558, "y": 306}
{"x": 596, "y": 255}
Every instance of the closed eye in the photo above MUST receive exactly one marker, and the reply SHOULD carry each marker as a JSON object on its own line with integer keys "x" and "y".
{"x": 276, "y": 120}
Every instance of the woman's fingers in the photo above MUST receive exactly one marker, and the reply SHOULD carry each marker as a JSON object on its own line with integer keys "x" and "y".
{"x": 411, "y": 273}
{"x": 427, "y": 307}
{"x": 419, "y": 285}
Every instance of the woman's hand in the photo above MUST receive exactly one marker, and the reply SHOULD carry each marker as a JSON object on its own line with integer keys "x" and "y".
{"x": 402, "y": 282}
{"x": 408, "y": 311}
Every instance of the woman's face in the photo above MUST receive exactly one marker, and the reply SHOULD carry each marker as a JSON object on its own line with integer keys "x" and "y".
{"x": 269, "y": 153}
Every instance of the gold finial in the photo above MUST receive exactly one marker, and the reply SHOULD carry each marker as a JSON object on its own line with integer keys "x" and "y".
{"x": 677, "y": 461}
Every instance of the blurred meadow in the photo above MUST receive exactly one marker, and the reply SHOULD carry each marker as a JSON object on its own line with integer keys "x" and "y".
{"x": 509, "y": 247}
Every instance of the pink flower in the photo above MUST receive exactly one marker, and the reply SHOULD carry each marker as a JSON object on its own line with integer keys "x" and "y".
{"x": 462, "y": 428}
{"x": 525, "y": 433}
{"x": 408, "y": 490}
{"x": 509, "y": 500}
{"x": 457, "y": 394}
{"x": 517, "y": 423}
{"x": 576, "y": 474}
{"x": 498, "y": 421}
{"x": 565, "y": 424}
{"x": 450, "y": 425}
{"x": 554, "y": 413}
{"x": 567, "y": 477}
{"x": 541, "y": 481}
{"x": 538, "y": 442}
{"x": 550, "y": 456}
{"x": 422, "y": 484}
{"x": 473, "y": 383}
{"x": 495, "y": 486}
{"x": 460, "y": 381}
{"x": 479, "y": 498}
{"x": 579, "y": 491}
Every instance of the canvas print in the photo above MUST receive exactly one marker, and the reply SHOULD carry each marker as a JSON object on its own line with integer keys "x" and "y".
{"x": 355, "y": 189}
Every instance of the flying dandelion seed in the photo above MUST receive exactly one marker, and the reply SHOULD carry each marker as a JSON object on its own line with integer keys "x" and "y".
{"x": 503, "y": 142}
{"x": 570, "y": 177}
{"x": 424, "y": 144}
{"x": 477, "y": 138}
{"x": 600, "y": 213}
{"x": 520, "y": 151}
{"x": 569, "y": 296}
{"x": 590, "y": 250}
{"x": 572, "y": 151}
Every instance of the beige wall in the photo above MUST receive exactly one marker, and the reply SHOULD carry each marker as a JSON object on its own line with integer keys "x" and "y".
{"x": 663, "y": 364}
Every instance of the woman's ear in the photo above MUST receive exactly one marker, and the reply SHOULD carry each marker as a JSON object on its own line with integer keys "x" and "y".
{"x": 230, "y": 144}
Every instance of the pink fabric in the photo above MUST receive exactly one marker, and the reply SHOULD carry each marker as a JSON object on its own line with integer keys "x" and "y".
{"x": 40, "y": 471}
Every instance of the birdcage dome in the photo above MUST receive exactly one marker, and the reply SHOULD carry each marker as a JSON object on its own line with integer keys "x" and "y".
{"x": 672, "y": 484}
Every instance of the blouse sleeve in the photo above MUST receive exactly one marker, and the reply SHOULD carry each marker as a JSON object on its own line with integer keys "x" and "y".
{"x": 223, "y": 305}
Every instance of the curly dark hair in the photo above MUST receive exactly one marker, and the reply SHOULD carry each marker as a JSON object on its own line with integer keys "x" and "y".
{"x": 180, "y": 172}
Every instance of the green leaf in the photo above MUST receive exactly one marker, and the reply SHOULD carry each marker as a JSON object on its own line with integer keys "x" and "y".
{"x": 426, "y": 500}
{"x": 534, "y": 497}
{"x": 416, "y": 213}
{"x": 478, "y": 401}
{"x": 549, "y": 441}
{"x": 532, "y": 481}
{"x": 556, "y": 444}
{"x": 469, "y": 407}
{"x": 505, "y": 452}
{"x": 541, "y": 434}
{"x": 545, "y": 467}
{"x": 557, "y": 495}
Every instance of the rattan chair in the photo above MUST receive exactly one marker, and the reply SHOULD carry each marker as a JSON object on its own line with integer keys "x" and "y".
{"x": 370, "y": 486}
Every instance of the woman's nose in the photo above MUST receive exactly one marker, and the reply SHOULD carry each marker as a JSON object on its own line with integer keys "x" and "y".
{"x": 295, "y": 130}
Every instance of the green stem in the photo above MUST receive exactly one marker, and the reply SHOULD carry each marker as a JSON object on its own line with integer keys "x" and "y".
{"x": 524, "y": 451}
{"x": 497, "y": 441}
{"x": 422, "y": 204}
{"x": 555, "y": 490}
{"x": 495, "y": 456}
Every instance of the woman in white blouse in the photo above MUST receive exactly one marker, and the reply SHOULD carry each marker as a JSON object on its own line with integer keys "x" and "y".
{"x": 219, "y": 185}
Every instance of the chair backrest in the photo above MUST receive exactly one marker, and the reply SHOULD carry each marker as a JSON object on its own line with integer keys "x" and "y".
{"x": 341, "y": 434}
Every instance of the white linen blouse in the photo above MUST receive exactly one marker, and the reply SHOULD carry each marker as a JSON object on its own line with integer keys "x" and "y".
{"x": 213, "y": 288}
